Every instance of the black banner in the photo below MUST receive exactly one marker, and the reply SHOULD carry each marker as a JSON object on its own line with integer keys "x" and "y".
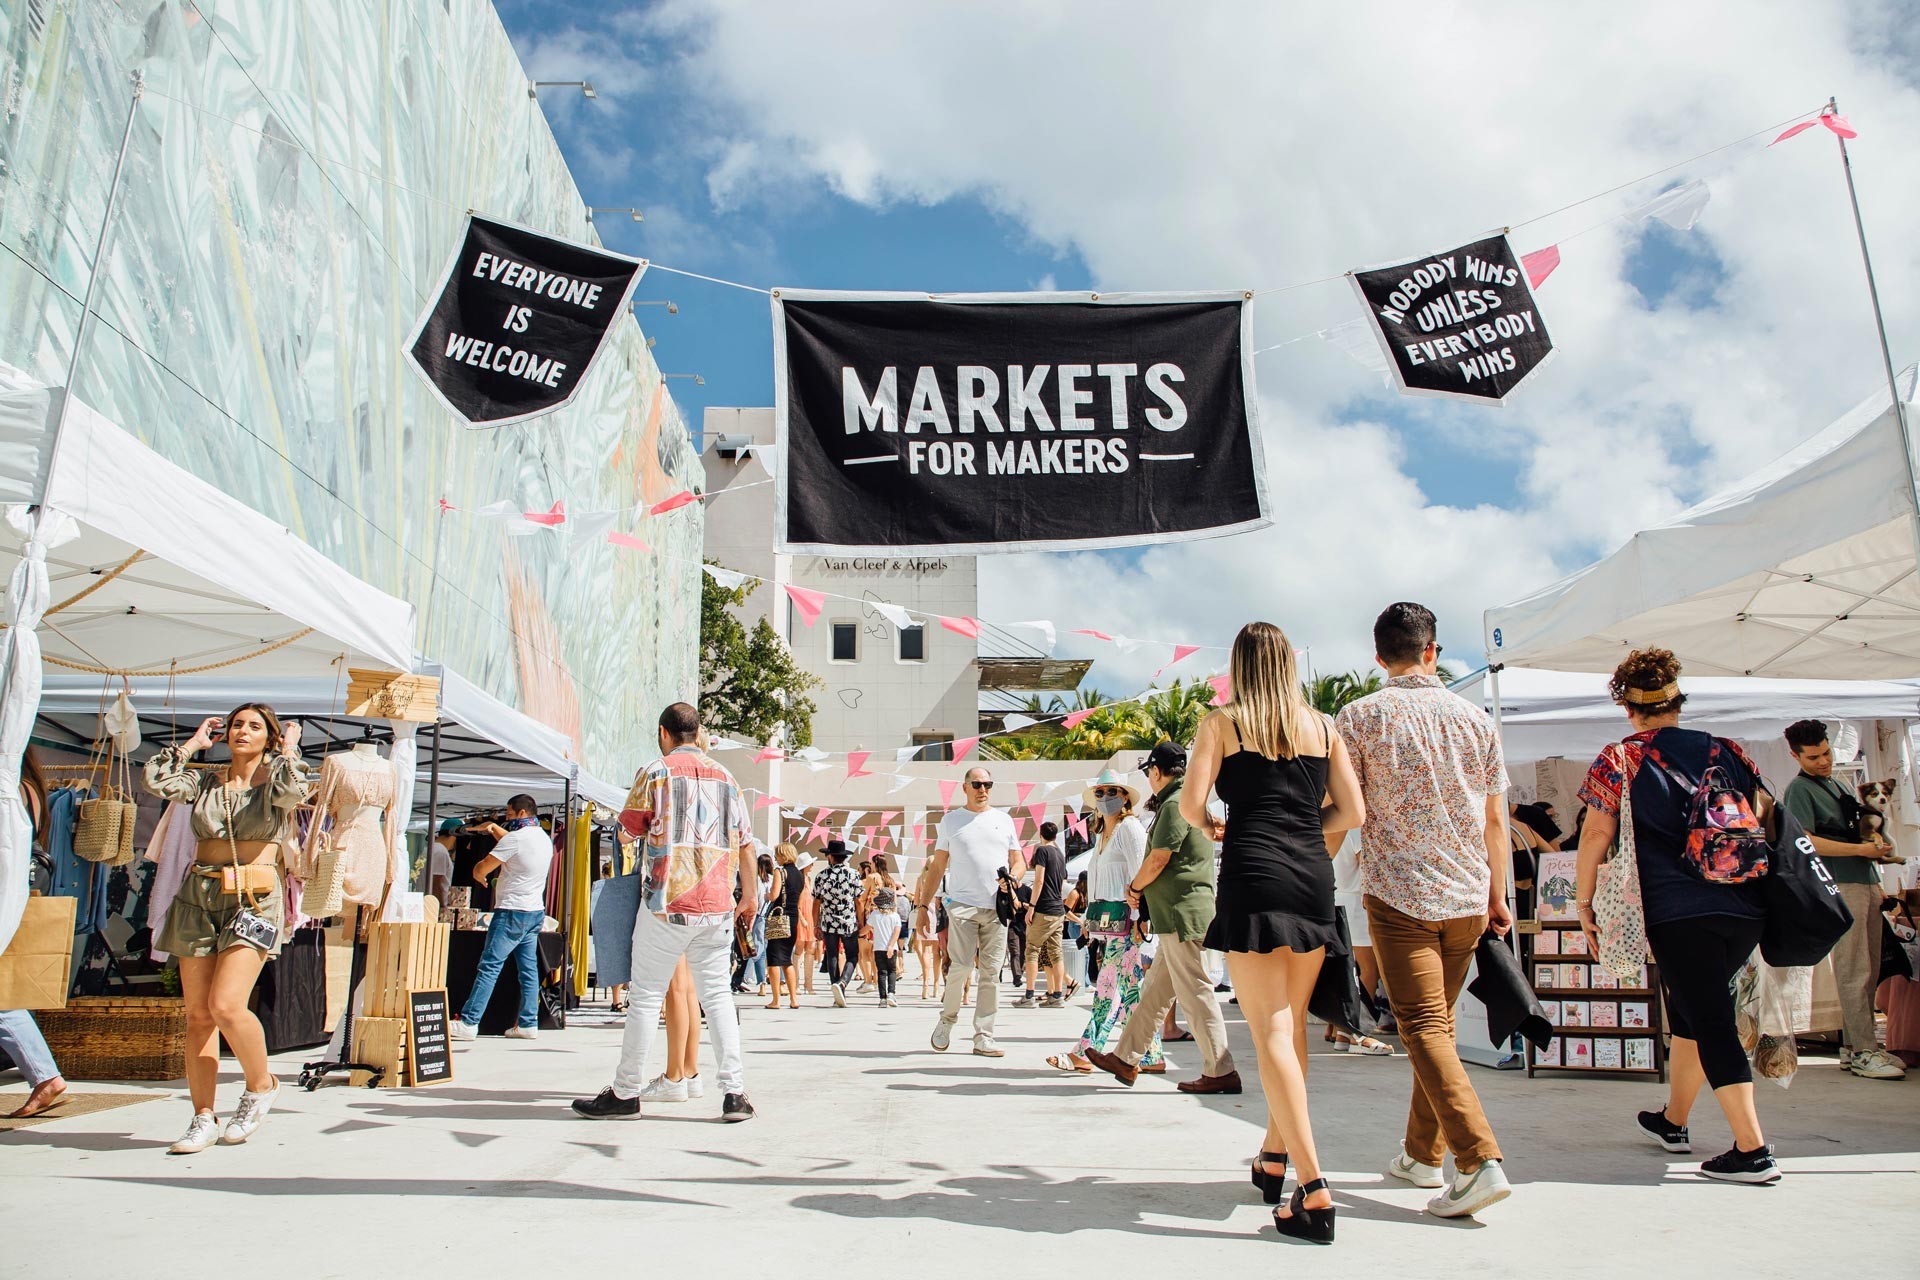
{"x": 1012, "y": 422}
{"x": 1461, "y": 324}
{"x": 518, "y": 321}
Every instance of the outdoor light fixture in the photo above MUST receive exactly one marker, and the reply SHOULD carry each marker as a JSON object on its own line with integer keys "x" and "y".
{"x": 584, "y": 86}
{"x": 650, "y": 341}
{"x": 593, "y": 209}
{"x": 698, "y": 381}
{"x": 673, "y": 308}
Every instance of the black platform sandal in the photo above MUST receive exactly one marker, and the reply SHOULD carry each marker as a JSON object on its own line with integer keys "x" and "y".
{"x": 1302, "y": 1223}
{"x": 1272, "y": 1185}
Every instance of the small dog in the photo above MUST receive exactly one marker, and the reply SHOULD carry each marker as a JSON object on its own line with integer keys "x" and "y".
{"x": 1874, "y": 799}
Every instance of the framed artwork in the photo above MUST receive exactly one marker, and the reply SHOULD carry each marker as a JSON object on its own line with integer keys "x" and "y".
{"x": 1607, "y": 1053}
{"x": 1633, "y": 1013}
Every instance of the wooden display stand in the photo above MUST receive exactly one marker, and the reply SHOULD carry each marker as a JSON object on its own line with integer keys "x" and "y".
{"x": 1609, "y": 1030}
{"x": 401, "y": 959}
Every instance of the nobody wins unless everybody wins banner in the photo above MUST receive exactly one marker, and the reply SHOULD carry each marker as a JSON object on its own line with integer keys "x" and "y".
{"x": 981, "y": 423}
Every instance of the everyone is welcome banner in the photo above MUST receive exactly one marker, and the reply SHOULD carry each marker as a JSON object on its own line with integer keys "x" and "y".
{"x": 980, "y": 423}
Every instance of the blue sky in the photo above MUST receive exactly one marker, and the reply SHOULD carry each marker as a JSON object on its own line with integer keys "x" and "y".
{"x": 848, "y": 145}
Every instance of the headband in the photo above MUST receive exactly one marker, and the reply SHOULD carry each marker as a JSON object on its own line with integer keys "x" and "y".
{"x": 1653, "y": 697}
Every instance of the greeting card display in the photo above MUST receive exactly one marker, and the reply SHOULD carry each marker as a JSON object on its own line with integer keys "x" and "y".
{"x": 1580, "y": 996}
{"x": 1604, "y": 1013}
{"x": 1607, "y": 1055}
{"x": 1633, "y": 1013}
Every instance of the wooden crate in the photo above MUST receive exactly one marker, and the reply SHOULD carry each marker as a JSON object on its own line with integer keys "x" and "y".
{"x": 381, "y": 1042}
{"x": 403, "y": 958}
{"x": 389, "y": 695}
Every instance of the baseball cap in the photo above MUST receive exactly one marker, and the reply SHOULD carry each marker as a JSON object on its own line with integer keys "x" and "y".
{"x": 449, "y": 826}
{"x": 1166, "y": 757}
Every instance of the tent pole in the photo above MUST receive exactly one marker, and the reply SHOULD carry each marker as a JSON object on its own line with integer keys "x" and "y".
{"x": 100, "y": 246}
{"x": 433, "y": 807}
{"x": 1880, "y": 327}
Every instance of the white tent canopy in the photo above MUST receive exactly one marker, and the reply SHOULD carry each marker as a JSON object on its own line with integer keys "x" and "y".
{"x": 1807, "y": 568}
{"x": 1566, "y": 713}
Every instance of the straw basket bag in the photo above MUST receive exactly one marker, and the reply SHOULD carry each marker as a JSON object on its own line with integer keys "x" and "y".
{"x": 103, "y": 826}
{"x": 324, "y": 892}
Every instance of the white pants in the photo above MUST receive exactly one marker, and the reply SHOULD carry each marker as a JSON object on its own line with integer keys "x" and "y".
{"x": 657, "y": 948}
{"x": 977, "y": 945}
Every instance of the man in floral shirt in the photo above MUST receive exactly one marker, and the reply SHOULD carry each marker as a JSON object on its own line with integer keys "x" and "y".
{"x": 836, "y": 895}
{"x": 1433, "y": 858}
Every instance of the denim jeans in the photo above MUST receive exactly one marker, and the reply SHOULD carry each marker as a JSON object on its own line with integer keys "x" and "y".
{"x": 514, "y": 934}
{"x": 21, "y": 1040}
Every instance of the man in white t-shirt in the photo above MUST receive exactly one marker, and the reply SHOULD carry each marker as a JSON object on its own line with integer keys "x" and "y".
{"x": 976, "y": 844}
{"x": 522, "y": 855}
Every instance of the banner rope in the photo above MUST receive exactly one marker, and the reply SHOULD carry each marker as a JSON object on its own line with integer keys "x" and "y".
{"x": 126, "y": 672}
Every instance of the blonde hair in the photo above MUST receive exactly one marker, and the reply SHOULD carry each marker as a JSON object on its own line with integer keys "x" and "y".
{"x": 786, "y": 854}
{"x": 1267, "y": 705}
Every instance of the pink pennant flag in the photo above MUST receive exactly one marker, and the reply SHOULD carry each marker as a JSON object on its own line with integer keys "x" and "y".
{"x": 1097, "y": 635}
{"x": 1181, "y": 652}
{"x": 1077, "y": 825}
{"x": 868, "y": 832}
{"x": 961, "y": 746}
{"x": 1021, "y": 793}
{"x": 674, "y": 503}
{"x": 855, "y": 761}
{"x": 1797, "y": 129}
{"x": 917, "y": 833}
{"x": 1222, "y": 690}
{"x": 769, "y": 753}
{"x": 1540, "y": 264}
{"x": 1838, "y": 124}
{"x": 557, "y": 515}
{"x": 1038, "y": 812}
{"x": 447, "y": 506}
{"x": 882, "y": 843}
{"x": 968, "y": 627}
{"x": 1077, "y": 718}
{"x": 809, "y": 603}
{"x": 767, "y": 802}
{"x": 886, "y": 819}
{"x": 627, "y": 540}
{"x": 947, "y": 786}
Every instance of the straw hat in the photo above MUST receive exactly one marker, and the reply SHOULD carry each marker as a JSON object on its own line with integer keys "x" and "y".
{"x": 1110, "y": 778}
{"x": 802, "y": 860}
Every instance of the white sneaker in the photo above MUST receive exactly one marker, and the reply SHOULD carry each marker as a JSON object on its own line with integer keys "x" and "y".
{"x": 839, "y": 996}
{"x": 1470, "y": 1193}
{"x": 942, "y": 1036}
{"x": 891, "y": 1003}
{"x": 1407, "y": 1169}
{"x": 458, "y": 1030}
{"x": 863, "y": 988}
{"x": 249, "y": 1115}
{"x": 664, "y": 1090}
{"x": 518, "y": 1032}
{"x": 1876, "y": 1064}
{"x": 200, "y": 1135}
{"x": 694, "y": 1088}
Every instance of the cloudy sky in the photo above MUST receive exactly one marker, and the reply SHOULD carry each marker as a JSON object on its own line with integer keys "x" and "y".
{"x": 1127, "y": 146}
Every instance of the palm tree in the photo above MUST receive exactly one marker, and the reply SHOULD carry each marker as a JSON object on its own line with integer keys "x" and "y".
{"x": 1331, "y": 692}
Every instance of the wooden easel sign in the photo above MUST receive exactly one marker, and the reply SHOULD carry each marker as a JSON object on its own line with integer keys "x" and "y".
{"x": 429, "y": 1051}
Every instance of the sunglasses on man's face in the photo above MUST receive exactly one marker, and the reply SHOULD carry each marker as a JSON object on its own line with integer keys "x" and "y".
{"x": 984, "y": 786}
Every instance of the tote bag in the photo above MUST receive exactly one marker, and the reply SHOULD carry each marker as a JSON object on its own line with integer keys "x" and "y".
{"x": 33, "y": 968}
{"x": 1806, "y": 916}
{"x": 1617, "y": 907}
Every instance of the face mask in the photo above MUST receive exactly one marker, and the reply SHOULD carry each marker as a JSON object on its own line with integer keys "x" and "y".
{"x": 519, "y": 824}
{"x": 1111, "y": 805}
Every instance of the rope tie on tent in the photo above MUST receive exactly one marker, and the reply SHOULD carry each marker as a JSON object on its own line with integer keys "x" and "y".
{"x": 103, "y": 580}
{"x": 90, "y": 669}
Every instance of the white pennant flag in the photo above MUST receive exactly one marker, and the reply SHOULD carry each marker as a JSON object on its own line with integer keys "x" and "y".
{"x": 764, "y": 453}
{"x": 1045, "y": 628}
{"x": 903, "y": 754}
{"x": 723, "y": 744}
{"x": 588, "y": 528}
{"x": 1014, "y": 720}
{"x": 1355, "y": 339}
{"x": 725, "y": 577}
{"x": 510, "y": 518}
{"x": 901, "y": 781}
{"x": 893, "y": 613}
{"x": 1679, "y": 208}
{"x": 810, "y": 753}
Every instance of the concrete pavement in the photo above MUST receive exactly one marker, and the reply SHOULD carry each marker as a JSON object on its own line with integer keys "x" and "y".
{"x": 873, "y": 1153}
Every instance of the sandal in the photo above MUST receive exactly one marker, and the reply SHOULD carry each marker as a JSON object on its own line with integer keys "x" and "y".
{"x": 1302, "y": 1223}
{"x": 1064, "y": 1063}
{"x": 1183, "y": 1037}
{"x": 1370, "y": 1047}
{"x": 1271, "y": 1184}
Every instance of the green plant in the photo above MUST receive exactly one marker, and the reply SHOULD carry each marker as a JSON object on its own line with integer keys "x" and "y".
{"x": 750, "y": 685}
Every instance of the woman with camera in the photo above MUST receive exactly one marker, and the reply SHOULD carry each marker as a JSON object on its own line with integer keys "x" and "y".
{"x": 228, "y": 916}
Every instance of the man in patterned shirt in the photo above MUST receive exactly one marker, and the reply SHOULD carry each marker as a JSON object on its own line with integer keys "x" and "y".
{"x": 1433, "y": 857}
{"x": 836, "y": 896}
{"x": 689, "y": 813}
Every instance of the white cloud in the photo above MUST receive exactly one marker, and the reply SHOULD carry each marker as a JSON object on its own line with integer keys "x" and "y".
{"x": 1255, "y": 145}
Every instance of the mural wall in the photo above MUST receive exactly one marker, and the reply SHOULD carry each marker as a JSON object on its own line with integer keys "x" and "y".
{"x": 298, "y": 174}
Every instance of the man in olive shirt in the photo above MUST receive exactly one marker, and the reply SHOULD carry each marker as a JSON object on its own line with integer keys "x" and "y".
{"x": 1832, "y": 818}
{"x": 1176, "y": 884}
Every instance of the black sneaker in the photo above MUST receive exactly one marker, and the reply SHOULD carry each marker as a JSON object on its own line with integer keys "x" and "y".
{"x": 736, "y": 1108}
{"x": 1655, "y": 1126}
{"x": 1755, "y": 1167}
{"x": 607, "y": 1105}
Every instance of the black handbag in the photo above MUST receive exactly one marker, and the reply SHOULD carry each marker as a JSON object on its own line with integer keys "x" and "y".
{"x": 1501, "y": 985}
{"x": 1337, "y": 998}
{"x": 1806, "y": 916}
{"x": 1893, "y": 957}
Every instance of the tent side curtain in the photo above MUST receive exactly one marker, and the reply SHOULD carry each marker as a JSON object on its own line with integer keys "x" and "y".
{"x": 107, "y": 480}
{"x": 1804, "y": 568}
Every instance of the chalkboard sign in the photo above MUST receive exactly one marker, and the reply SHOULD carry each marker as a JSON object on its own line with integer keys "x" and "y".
{"x": 429, "y": 1052}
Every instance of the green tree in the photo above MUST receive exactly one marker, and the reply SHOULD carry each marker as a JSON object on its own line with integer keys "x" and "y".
{"x": 1331, "y": 692}
{"x": 750, "y": 686}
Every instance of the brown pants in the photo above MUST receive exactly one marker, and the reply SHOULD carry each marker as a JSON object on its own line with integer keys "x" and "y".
{"x": 1178, "y": 972}
{"x": 1425, "y": 964}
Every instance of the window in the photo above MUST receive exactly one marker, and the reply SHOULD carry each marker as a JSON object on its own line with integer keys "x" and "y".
{"x": 913, "y": 643}
{"x": 846, "y": 641}
{"x": 933, "y": 745}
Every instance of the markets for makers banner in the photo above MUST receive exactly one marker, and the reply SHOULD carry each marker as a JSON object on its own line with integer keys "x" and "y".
{"x": 1460, "y": 324}
{"x": 518, "y": 320}
{"x": 911, "y": 424}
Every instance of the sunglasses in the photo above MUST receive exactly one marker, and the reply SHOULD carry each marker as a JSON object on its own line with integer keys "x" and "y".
{"x": 984, "y": 786}
{"x": 1103, "y": 793}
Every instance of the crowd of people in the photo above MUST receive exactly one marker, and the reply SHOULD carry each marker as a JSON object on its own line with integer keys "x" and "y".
{"x": 1379, "y": 841}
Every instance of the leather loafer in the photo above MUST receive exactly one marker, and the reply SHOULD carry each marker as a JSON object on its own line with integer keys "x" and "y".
{"x": 1228, "y": 1083}
{"x": 1114, "y": 1066}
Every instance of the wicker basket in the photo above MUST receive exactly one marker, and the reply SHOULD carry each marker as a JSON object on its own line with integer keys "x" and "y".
{"x": 118, "y": 1037}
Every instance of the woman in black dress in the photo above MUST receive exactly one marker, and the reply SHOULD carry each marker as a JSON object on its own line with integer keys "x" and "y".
{"x": 788, "y": 883}
{"x": 1286, "y": 779}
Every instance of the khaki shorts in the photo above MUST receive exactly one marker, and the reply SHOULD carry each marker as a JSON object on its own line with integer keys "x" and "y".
{"x": 1043, "y": 938}
{"x": 199, "y": 923}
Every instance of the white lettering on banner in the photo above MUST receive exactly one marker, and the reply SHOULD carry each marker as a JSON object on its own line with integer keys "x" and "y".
{"x": 1116, "y": 376}
{"x": 940, "y": 457}
{"x": 977, "y": 399}
{"x": 1023, "y": 398}
{"x": 979, "y": 392}
{"x": 1417, "y": 282}
{"x": 1174, "y": 416}
{"x": 518, "y": 275}
{"x": 1103, "y": 455}
{"x": 504, "y": 359}
{"x": 882, "y": 411}
{"x": 1072, "y": 397}
{"x": 928, "y": 409}
{"x": 1486, "y": 334}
